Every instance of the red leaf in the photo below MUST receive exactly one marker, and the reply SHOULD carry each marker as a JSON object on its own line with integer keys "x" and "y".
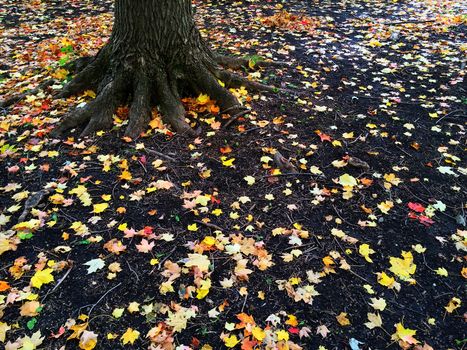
{"x": 416, "y": 207}
{"x": 294, "y": 330}
{"x": 425, "y": 220}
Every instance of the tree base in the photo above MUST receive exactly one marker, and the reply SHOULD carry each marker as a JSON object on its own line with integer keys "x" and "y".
{"x": 118, "y": 82}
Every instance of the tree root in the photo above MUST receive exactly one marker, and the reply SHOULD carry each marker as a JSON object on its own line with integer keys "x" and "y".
{"x": 235, "y": 81}
{"x": 17, "y": 98}
{"x": 96, "y": 115}
{"x": 144, "y": 83}
{"x": 237, "y": 63}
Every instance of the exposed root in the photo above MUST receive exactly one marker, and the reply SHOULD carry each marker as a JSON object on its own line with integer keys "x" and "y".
{"x": 89, "y": 77}
{"x": 140, "y": 110}
{"x": 144, "y": 83}
{"x": 97, "y": 114}
{"x": 235, "y": 81}
{"x": 207, "y": 82}
{"x": 171, "y": 106}
{"x": 236, "y": 63}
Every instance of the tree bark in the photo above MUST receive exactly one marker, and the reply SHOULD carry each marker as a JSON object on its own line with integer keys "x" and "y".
{"x": 154, "y": 51}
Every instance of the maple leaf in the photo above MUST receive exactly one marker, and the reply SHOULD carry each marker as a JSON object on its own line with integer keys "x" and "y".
{"x": 203, "y": 289}
{"x": 343, "y": 319}
{"x": 88, "y": 340}
{"x": 94, "y": 265}
{"x": 417, "y": 207}
{"x": 347, "y": 180}
{"x": 231, "y": 341}
{"x": 374, "y": 321}
{"x": 404, "y": 334}
{"x": 99, "y": 208}
{"x": 4, "y": 327}
{"x": 258, "y": 333}
{"x": 178, "y": 320}
{"x": 42, "y": 277}
{"x": 403, "y": 268}
{"x": 115, "y": 246}
{"x": 30, "y": 308}
{"x": 322, "y": 330}
{"x": 282, "y": 335}
{"x": 129, "y": 336}
{"x": 453, "y": 304}
{"x": 145, "y": 246}
{"x": 199, "y": 260}
{"x": 31, "y": 343}
{"x": 366, "y": 251}
{"x": 250, "y": 180}
{"x": 378, "y": 304}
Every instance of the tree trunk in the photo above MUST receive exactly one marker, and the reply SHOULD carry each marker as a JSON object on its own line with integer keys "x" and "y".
{"x": 155, "y": 49}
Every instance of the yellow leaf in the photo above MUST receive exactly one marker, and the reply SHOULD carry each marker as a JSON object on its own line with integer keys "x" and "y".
{"x": 133, "y": 307}
{"x": 378, "y": 304}
{"x": 385, "y": 206}
{"x": 454, "y": 303}
{"x": 342, "y": 319}
{"x": 231, "y": 341}
{"x": 404, "y": 334}
{"x": 227, "y": 162}
{"x": 129, "y": 336}
{"x": 292, "y": 321}
{"x": 250, "y": 180}
{"x": 366, "y": 251}
{"x": 282, "y": 335}
{"x": 441, "y": 271}
{"x": 203, "y": 290}
{"x": 125, "y": 175}
{"x": 258, "y": 333}
{"x": 203, "y": 99}
{"x": 199, "y": 260}
{"x": 42, "y": 277}
{"x": 4, "y": 327}
{"x": 209, "y": 241}
{"x": 374, "y": 321}
{"x": 99, "y": 208}
{"x": 403, "y": 268}
{"x": 385, "y": 280}
{"x": 347, "y": 180}
{"x": 193, "y": 227}
{"x": 117, "y": 313}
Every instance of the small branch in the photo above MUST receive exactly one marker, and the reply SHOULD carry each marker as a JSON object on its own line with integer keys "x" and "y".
{"x": 235, "y": 117}
{"x": 159, "y": 154}
{"x": 102, "y": 297}
{"x": 287, "y": 174}
{"x": 58, "y": 283}
{"x": 448, "y": 115}
{"x": 207, "y": 224}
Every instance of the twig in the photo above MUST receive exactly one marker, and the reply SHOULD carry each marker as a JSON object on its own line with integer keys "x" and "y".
{"x": 235, "y": 117}
{"x": 207, "y": 224}
{"x": 244, "y": 302}
{"x": 159, "y": 154}
{"x": 287, "y": 174}
{"x": 58, "y": 283}
{"x": 448, "y": 115}
{"x": 131, "y": 269}
{"x": 102, "y": 297}
{"x": 357, "y": 275}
